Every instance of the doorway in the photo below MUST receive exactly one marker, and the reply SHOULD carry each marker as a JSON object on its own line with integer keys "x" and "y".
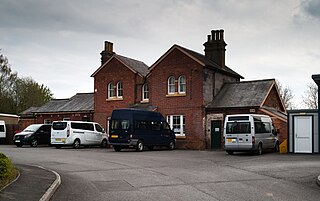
{"x": 302, "y": 134}
{"x": 216, "y": 134}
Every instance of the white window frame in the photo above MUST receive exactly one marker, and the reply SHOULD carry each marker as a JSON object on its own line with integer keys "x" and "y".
{"x": 170, "y": 84}
{"x": 181, "y": 131}
{"x": 180, "y": 84}
{"x": 111, "y": 90}
{"x": 119, "y": 88}
{"x": 47, "y": 121}
{"x": 66, "y": 119}
{"x": 145, "y": 92}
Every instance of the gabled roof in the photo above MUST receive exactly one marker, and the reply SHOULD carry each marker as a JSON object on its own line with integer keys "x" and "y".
{"x": 77, "y": 103}
{"x": 134, "y": 65}
{"x": 201, "y": 59}
{"x": 29, "y": 111}
{"x": 243, "y": 94}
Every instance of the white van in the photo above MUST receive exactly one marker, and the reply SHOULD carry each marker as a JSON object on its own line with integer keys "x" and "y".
{"x": 249, "y": 132}
{"x": 77, "y": 133}
{"x": 2, "y": 129}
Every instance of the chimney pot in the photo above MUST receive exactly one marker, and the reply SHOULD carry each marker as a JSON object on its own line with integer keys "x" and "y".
{"x": 215, "y": 48}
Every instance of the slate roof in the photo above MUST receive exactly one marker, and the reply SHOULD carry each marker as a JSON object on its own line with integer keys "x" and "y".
{"x": 242, "y": 94}
{"x": 134, "y": 65}
{"x": 29, "y": 111}
{"x": 211, "y": 64}
{"x": 200, "y": 58}
{"x": 77, "y": 103}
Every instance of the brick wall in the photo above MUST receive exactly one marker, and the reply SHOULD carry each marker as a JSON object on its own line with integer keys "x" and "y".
{"x": 115, "y": 71}
{"x": 189, "y": 104}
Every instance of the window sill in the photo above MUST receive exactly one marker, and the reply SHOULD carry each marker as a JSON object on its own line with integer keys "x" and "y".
{"x": 145, "y": 101}
{"x": 114, "y": 99}
{"x": 180, "y": 137}
{"x": 176, "y": 95}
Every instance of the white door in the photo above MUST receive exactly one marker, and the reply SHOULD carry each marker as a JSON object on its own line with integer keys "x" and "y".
{"x": 303, "y": 134}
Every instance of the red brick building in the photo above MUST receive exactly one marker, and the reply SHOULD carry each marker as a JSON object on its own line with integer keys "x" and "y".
{"x": 193, "y": 91}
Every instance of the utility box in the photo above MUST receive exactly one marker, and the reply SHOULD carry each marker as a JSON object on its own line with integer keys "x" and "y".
{"x": 303, "y": 131}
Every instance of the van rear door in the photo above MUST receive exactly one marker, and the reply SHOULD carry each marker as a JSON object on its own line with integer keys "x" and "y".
{"x": 238, "y": 133}
{"x": 59, "y": 132}
{"x": 119, "y": 131}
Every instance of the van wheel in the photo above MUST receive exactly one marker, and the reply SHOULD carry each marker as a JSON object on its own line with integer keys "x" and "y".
{"x": 230, "y": 152}
{"x": 172, "y": 145}
{"x": 34, "y": 143}
{"x": 140, "y": 146}
{"x": 76, "y": 144}
{"x": 104, "y": 144}
{"x": 117, "y": 148}
{"x": 259, "y": 150}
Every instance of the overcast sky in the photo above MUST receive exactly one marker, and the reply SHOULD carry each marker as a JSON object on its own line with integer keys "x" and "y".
{"x": 58, "y": 43}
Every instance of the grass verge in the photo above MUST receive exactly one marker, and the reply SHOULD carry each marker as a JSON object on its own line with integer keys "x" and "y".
{"x": 7, "y": 171}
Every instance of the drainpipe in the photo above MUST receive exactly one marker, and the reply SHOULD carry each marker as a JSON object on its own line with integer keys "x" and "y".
{"x": 316, "y": 79}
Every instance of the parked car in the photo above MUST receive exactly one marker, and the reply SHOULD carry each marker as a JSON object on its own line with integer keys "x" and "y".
{"x": 33, "y": 135}
{"x": 249, "y": 132}
{"x": 77, "y": 133}
{"x": 2, "y": 129}
{"x": 131, "y": 128}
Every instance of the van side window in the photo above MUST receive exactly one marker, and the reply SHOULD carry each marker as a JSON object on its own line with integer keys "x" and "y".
{"x": 141, "y": 125}
{"x": 165, "y": 126}
{"x": 262, "y": 127}
{"x": 155, "y": 125}
{"x": 98, "y": 128}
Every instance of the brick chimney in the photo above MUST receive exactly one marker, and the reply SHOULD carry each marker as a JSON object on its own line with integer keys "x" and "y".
{"x": 107, "y": 52}
{"x": 215, "y": 47}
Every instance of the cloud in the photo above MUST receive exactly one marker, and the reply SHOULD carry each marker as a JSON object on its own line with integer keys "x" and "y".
{"x": 312, "y": 8}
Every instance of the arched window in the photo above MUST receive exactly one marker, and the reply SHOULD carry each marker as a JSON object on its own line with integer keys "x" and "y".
{"x": 110, "y": 90}
{"x": 145, "y": 92}
{"x": 182, "y": 84}
{"x": 119, "y": 89}
{"x": 171, "y": 85}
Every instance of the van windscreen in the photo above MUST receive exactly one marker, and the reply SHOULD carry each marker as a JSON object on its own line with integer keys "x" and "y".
{"x": 120, "y": 124}
{"x": 1, "y": 128}
{"x": 59, "y": 125}
{"x": 238, "y": 127}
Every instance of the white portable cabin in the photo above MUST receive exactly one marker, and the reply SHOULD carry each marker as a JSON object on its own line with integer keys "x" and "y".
{"x": 303, "y": 136}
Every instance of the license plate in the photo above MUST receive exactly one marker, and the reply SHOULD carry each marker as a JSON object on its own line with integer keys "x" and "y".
{"x": 229, "y": 140}
{"x": 114, "y": 136}
{"x": 17, "y": 140}
{"x": 58, "y": 139}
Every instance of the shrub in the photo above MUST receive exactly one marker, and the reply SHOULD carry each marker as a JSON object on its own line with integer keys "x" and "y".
{"x": 7, "y": 170}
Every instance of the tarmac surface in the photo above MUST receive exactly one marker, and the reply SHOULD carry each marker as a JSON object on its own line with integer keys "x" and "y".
{"x": 34, "y": 183}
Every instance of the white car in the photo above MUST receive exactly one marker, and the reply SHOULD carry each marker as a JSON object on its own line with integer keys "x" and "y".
{"x": 77, "y": 133}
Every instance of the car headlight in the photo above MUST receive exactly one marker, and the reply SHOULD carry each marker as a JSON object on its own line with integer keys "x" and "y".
{"x": 26, "y": 136}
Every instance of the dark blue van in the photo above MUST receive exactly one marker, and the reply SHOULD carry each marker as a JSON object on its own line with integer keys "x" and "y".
{"x": 132, "y": 128}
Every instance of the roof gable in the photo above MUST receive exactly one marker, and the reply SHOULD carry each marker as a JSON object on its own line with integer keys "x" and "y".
{"x": 243, "y": 94}
{"x": 134, "y": 65}
{"x": 199, "y": 58}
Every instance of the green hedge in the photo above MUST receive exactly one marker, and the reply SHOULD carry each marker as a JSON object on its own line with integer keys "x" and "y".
{"x": 7, "y": 171}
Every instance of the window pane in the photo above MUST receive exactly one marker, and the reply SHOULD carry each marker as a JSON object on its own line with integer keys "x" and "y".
{"x": 119, "y": 89}
{"x": 238, "y": 127}
{"x": 145, "y": 92}
{"x": 182, "y": 84}
{"x": 110, "y": 90}
{"x": 171, "y": 85}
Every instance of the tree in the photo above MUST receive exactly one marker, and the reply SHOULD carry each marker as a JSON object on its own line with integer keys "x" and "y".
{"x": 286, "y": 95}
{"x": 310, "y": 98}
{"x": 18, "y": 94}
